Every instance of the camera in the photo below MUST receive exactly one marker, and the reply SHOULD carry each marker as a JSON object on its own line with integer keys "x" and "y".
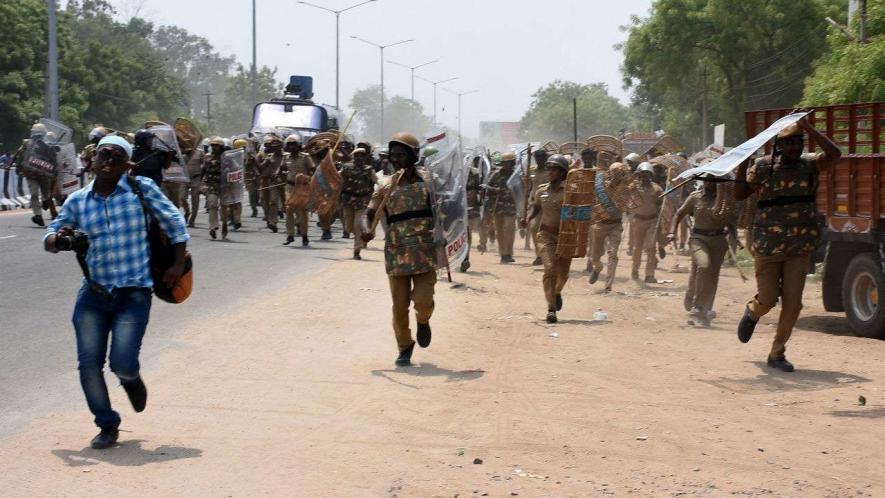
{"x": 78, "y": 242}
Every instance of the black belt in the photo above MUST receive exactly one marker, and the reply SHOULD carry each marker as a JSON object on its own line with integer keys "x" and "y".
{"x": 410, "y": 215}
{"x": 785, "y": 201}
{"x": 710, "y": 233}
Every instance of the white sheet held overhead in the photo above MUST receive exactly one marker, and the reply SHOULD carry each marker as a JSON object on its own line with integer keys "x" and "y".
{"x": 727, "y": 162}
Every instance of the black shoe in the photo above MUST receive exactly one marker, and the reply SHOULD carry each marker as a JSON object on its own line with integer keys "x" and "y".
{"x": 508, "y": 259}
{"x": 662, "y": 253}
{"x": 38, "y": 220}
{"x": 608, "y": 288}
{"x": 651, "y": 280}
{"x": 405, "y": 357}
{"x": 688, "y": 302}
{"x": 305, "y": 241}
{"x": 558, "y": 302}
{"x": 345, "y": 235}
{"x": 238, "y": 226}
{"x": 482, "y": 249}
{"x": 538, "y": 261}
{"x": 289, "y": 240}
{"x": 327, "y": 235}
{"x": 594, "y": 277}
{"x": 551, "y": 317}
{"x": 224, "y": 232}
{"x": 137, "y": 392}
{"x": 357, "y": 256}
{"x": 504, "y": 260}
{"x": 105, "y": 439}
{"x": 635, "y": 275}
{"x": 213, "y": 233}
{"x": 781, "y": 364}
{"x": 254, "y": 213}
{"x": 746, "y": 327}
{"x": 423, "y": 334}
{"x": 465, "y": 265}
{"x": 272, "y": 228}
{"x": 280, "y": 215}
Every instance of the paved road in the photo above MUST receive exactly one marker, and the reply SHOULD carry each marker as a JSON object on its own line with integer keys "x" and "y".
{"x": 37, "y": 290}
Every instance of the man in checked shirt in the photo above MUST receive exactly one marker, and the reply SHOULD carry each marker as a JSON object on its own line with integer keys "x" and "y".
{"x": 115, "y": 299}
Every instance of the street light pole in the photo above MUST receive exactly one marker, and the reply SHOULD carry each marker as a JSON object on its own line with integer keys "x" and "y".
{"x": 381, "y": 47}
{"x": 459, "y": 94}
{"x": 337, "y": 43}
{"x": 412, "y": 69}
{"x": 434, "y": 83}
{"x": 52, "y": 69}
{"x": 254, "y": 56}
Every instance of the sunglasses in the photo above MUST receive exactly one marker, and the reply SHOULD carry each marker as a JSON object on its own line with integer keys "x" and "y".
{"x": 109, "y": 154}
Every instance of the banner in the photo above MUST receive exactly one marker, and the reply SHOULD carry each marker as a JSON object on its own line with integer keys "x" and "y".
{"x": 447, "y": 175}
{"x": 232, "y": 177}
{"x": 727, "y": 162}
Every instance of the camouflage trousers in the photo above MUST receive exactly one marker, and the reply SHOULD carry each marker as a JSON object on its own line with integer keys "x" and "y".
{"x": 784, "y": 277}
{"x": 556, "y": 269}
{"x": 605, "y": 238}
{"x": 404, "y": 290}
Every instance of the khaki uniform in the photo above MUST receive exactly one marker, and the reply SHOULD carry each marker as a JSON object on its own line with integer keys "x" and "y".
{"x": 252, "y": 181}
{"x": 409, "y": 253}
{"x": 538, "y": 175}
{"x": 358, "y": 184}
{"x": 708, "y": 246}
{"x": 643, "y": 225}
{"x": 556, "y": 268}
{"x": 212, "y": 187}
{"x": 192, "y": 192}
{"x": 269, "y": 169}
{"x": 299, "y": 169}
{"x": 605, "y": 238}
{"x": 785, "y": 234}
{"x": 503, "y": 211}
{"x": 474, "y": 209}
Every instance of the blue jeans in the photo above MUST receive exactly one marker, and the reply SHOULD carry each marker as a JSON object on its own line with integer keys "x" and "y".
{"x": 124, "y": 316}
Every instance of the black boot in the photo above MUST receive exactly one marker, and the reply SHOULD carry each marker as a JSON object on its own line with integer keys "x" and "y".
{"x": 305, "y": 241}
{"x": 272, "y": 228}
{"x": 345, "y": 235}
{"x": 38, "y": 220}
{"x": 105, "y": 439}
{"x": 688, "y": 302}
{"x": 651, "y": 280}
{"x": 405, "y": 357}
{"x": 551, "y": 316}
{"x": 254, "y": 213}
{"x": 538, "y": 261}
{"x": 746, "y": 327}
{"x": 558, "y": 302}
{"x": 356, "y": 256}
{"x": 781, "y": 364}
{"x": 289, "y": 240}
{"x": 423, "y": 334}
{"x": 327, "y": 235}
{"x": 465, "y": 265}
{"x": 213, "y": 233}
{"x": 594, "y": 276}
{"x": 137, "y": 392}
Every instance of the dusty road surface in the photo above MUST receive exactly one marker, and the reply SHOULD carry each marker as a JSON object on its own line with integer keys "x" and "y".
{"x": 295, "y": 394}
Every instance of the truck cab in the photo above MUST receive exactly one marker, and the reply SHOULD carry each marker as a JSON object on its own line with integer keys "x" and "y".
{"x": 851, "y": 210}
{"x": 294, "y": 112}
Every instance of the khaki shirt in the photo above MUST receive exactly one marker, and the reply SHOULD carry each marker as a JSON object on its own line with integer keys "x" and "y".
{"x": 650, "y": 202}
{"x": 700, "y": 207}
{"x": 549, "y": 201}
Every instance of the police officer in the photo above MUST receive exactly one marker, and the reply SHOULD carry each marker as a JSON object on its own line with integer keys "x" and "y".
{"x": 538, "y": 177}
{"x": 87, "y": 156}
{"x": 548, "y": 206}
{"x": 149, "y": 163}
{"x": 299, "y": 169}
{"x": 269, "y": 162}
{"x": 357, "y": 187}
{"x": 784, "y": 231}
{"x": 474, "y": 209}
{"x": 503, "y": 206}
{"x": 39, "y": 185}
{"x": 211, "y": 174}
{"x": 607, "y": 233}
{"x": 409, "y": 246}
{"x": 192, "y": 192}
{"x": 645, "y": 217}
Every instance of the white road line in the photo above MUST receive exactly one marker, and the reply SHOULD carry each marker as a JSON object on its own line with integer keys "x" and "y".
{"x": 8, "y": 237}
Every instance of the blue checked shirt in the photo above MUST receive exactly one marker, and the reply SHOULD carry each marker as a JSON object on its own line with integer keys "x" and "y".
{"x": 119, "y": 254}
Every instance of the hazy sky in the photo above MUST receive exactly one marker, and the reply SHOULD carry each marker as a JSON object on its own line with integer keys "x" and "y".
{"x": 506, "y": 49}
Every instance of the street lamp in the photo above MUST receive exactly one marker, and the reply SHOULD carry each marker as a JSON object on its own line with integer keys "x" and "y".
{"x": 459, "y": 94}
{"x": 412, "y": 69}
{"x": 337, "y": 41}
{"x": 434, "y": 83}
{"x": 381, "y": 48}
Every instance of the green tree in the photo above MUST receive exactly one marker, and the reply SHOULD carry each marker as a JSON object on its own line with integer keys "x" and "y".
{"x": 724, "y": 56}
{"x": 400, "y": 114}
{"x": 233, "y": 113}
{"x": 550, "y": 114}
{"x": 851, "y": 72}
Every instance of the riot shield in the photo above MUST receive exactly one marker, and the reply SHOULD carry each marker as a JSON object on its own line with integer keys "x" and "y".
{"x": 68, "y": 169}
{"x": 63, "y": 134}
{"x": 577, "y": 212}
{"x": 448, "y": 186}
{"x": 232, "y": 177}
{"x": 166, "y": 140}
{"x": 40, "y": 159}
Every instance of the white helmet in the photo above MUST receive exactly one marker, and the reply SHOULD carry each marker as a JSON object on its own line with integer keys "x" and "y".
{"x": 646, "y": 167}
{"x": 632, "y": 157}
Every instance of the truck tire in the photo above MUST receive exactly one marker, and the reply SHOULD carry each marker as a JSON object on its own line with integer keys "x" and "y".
{"x": 863, "y": 295}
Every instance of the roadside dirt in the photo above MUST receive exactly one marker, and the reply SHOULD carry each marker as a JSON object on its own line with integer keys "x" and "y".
{"x": 297, "y": 395}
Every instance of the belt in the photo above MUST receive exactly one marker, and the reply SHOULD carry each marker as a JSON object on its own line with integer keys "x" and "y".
{"x": 410, "y": 215}
{"x": 710, "y": 233}
{"x": 549, "y": 229}
{"x": 785, "y": 200}
{"x": 645, "y": 218}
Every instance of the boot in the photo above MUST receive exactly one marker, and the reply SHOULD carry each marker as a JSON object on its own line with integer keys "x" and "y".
{"x": 272, "y": 228}
{"x": 345, "y": 235}
{"x": 254, "y": 213}
{"x": 356, "y": 256}
{"x": 289, "y": 240}
{"x": 651, "y": 280}
{"x": 551, "y": 316}
{"x": 305, "y": 241}
{"x": 594, "y": 276}
{"x": 105, "y": 439}
{"x": 558, "y": 302}
{"x": 224, "y": 232}
{"x": 538, "y": 261}
{"x": 137, "y": 392}
{"x": 213, "y": 233}
{"x": 327, "y": 235}
{"x": 781, "y": 364}
{"x": 38, "y": 220}
{"x": 405, "y": 357}
{"x": 465, "y": 265}
{"x": 746, "y": 327}
{"x": 423, "y": 334}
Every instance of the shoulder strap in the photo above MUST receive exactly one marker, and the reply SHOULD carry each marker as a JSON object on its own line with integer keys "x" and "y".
{"x": 136, "y": 189}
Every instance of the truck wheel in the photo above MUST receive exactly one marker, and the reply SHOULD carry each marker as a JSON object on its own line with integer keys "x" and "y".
{"x": 863, "y": 294}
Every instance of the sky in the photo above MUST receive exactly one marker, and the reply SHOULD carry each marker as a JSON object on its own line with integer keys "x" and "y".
{"x": 505, "y": 49}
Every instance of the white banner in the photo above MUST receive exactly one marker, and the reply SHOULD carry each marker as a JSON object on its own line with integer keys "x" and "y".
{"x": 448, "y": 188}
{"x": 727, "y": 162}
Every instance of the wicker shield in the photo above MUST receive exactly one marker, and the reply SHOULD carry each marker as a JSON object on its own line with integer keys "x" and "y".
{"x": 577, "y": 213}
{"x": 607, "y": 143}
{"x": 189, "y": 136}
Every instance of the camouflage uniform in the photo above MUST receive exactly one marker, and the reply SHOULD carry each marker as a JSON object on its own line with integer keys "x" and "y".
{"x": 504, "y": 210}
{"x": 708, "y": 247}
{"x": 785, "y": 234}
{"x": 474, "y": 210}
{"x": 87, "y": 157}
{"x": 643, "y": 228}
{"x": 538, "y": 176}
{"x": 268, "y": 170}
{"x": 252, "y": 180}
{"x": 556, "y": 268}
{"x": 212, "y": 188}
{"x": 410, "y": 253}
{"x": 356, "y": 191}
{"x": 299, "y": 169}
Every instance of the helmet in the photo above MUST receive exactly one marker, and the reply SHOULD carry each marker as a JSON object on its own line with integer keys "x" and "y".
{"x": 269, "y": 139}
{"x": 645, "y": 167}
{"x": 558, "y": 161}
{"x": 143, "y": 137}
{"x": 294, "y": 138}
{"x": 51, "y": 137}
{"x": 98, "y": 133}
{"x": 406, "y": 139}
{"x": 358, "y": 150}
{"x": 430, "y": 151}
{"x": 365, "y": 145}
{"x": 793, "y": 130}
{"x": 240, "y": 143}
{"x": 216, "y": 140}
{"x": 507, "y": 156}
{"x": 39, "y": 129}
{"x": 632, "y": 158}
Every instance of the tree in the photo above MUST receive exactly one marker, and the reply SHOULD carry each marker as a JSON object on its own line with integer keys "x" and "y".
{"x": 851, "y": 72}
{"x": 724, "y": 56}
{"x": 400, "y": 114}
{"x": 233, "y": 114}
{"x": 550, "y": 114}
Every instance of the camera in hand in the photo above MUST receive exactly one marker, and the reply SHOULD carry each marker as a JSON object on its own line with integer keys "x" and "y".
{"x": 77, "y": 242}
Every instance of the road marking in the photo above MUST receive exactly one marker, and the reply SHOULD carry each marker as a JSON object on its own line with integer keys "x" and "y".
{"x": 8, "y": 237}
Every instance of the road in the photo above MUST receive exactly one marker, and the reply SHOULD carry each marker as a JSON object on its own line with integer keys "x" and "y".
{"x": 37, "y": 291}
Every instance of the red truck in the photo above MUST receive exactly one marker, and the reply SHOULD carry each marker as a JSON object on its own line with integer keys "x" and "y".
{"x": 850, "y": 201}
